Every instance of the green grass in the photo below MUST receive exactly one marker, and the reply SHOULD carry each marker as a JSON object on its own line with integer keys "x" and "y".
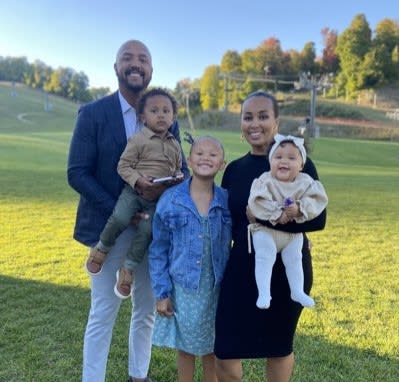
{"x": 350, "y": 336}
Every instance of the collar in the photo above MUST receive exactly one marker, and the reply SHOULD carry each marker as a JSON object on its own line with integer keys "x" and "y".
{"x": 124, "y": 104}
{"x": 150, "y": 134}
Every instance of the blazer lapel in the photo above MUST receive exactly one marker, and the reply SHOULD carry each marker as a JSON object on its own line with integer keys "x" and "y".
{"x": 115, "y": 117}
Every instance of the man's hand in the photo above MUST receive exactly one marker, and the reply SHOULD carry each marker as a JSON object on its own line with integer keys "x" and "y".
{"x": 148, "y": 190}
{"x": 165, "y": 308}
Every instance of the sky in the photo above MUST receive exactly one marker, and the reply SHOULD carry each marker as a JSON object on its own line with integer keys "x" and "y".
{"x": 184, "y": 36}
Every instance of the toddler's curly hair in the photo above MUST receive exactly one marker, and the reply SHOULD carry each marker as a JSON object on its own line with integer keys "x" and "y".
{"x": 152, "y": 93}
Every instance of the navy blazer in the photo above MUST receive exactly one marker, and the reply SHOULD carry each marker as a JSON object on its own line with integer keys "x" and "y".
{"x": 98, "y": 141}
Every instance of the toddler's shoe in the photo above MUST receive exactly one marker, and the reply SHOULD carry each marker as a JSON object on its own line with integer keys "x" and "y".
{"x": 95, "y": 261}
{"x": 123, "y": 285}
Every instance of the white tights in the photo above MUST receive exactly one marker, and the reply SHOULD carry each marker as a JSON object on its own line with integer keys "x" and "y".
{"x": 267, "y": 243}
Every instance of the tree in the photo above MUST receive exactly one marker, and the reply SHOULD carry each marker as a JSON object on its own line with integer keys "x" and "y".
{"x": 231, "y": 62}
{"x": 352, "y": 46}
{"x": 78, "y": 87}
{"x": 269, "y": 54}
{"x": 385, "y": 42}
{"x": 14, "y": 68}
{"x": 100, "y": 92}
{"x": 248, "y": 68}
{"x": 387, "y": 33}
{"x": 294, "y": 61}
{"x": 65, "y": 82}
{"x": 329, "y": 59}
{"x": 308, "y": 58}
{"x": 59, "y": 82}
{"x": 395, "y": 56}
{"x": 371, "y": 70}
{"x": 41, "y": 74}
{"x": 210, "y": 88}
{"x": 230, "y": 67}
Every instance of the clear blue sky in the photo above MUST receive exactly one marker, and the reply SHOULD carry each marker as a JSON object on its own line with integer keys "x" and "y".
{"x": 184, "y": 36}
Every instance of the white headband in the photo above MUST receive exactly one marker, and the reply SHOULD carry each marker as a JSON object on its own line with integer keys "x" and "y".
{"x": 298, "y": 142}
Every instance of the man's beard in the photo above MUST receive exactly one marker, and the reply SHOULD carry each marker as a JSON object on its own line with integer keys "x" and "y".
{"x": 135, "y": 88}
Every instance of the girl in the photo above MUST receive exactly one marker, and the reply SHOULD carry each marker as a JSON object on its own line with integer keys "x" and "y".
{"x": 187, "y": 257}
{"x": 281, "y": 195}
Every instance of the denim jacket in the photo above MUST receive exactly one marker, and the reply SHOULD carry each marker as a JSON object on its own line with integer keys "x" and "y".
{"x": 175, "y": 254}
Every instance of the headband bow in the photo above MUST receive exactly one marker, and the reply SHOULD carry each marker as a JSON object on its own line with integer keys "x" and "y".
{"x": 298, "y": 142}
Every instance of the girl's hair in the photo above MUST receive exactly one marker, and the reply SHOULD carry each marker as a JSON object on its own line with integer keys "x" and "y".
{"x": 262, "y": 93}
{"x": 152, "y": 93}
{"x": 206, "y": 138}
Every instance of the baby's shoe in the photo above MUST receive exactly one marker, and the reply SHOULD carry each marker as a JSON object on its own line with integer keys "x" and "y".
{"x": 123, "y": 285}
{"x": 95, "y": 261}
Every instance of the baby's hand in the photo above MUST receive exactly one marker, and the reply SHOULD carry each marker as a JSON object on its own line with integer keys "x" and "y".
{"x": 288, "y": 201}
{"x": 147, "y": 189}
{"x": 165, "y": 308}
{"x": 292, "y": 211}
{"x": 178, "y": 178}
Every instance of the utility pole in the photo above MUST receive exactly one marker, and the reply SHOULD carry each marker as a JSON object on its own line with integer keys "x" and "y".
{"x": 226, "y": 93}
{"x": 13, "y": 91}
{"x": 309, "y": 82}
{"x": 187, "y": 104}
{"x": 315, "y": 129}
{"x": 226, "y": 88}
{"x": 47, "y": 104}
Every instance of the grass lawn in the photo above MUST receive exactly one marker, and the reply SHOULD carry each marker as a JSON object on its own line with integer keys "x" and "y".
{"x": 350, "y": 336}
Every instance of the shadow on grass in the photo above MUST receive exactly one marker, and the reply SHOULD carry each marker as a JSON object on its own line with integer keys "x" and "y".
{"x": 41, "y": 332}
{"x": 42, "y": 327}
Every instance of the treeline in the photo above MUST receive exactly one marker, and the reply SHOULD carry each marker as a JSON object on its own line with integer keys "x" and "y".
{"x": 352, "y": 61}
{"x": 64, "y": 82}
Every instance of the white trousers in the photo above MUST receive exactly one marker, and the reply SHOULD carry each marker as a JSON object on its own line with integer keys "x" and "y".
{"x": 104, "y": 310}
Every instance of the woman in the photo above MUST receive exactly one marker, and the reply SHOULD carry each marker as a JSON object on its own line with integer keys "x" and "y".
{"x": 242, "y": 329}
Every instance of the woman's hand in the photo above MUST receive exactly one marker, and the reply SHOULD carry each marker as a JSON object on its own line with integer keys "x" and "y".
{"x": 251, "y": 218}
{"x": 283, "y": 219}
{"x": 165, "y": 308}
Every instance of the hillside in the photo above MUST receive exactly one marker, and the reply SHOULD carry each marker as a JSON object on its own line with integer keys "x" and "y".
{"x": 334, "y": 118}
{"x": 32, "y": 110}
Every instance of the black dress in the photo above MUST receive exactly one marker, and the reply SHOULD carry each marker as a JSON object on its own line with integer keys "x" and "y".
{"x": 242, "y": 329}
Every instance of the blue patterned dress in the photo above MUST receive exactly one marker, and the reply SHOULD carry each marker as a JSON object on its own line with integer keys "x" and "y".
{"x": 191, "y": 328}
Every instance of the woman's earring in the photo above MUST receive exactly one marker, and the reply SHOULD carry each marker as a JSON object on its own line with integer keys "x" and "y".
{"x": 242, "y": 136}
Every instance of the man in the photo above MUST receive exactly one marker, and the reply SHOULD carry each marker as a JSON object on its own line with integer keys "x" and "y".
{"x": 99, "y": 138}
